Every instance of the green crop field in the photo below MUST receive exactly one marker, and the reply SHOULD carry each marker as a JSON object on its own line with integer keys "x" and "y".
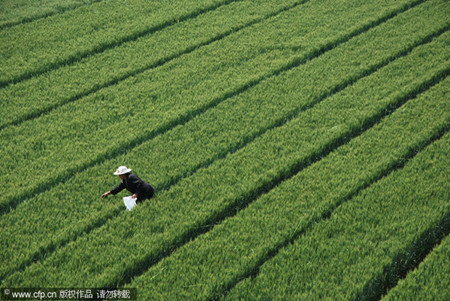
{"x": 299, "y": 149}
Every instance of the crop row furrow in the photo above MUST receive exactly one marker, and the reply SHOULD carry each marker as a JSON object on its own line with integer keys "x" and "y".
{"x": 429, "y": 280}
{"x": 289, "y": 115}
{"x": 27, "y": 12}
{"x": 104, "y": 217}
{"x": 369, "y": 241}
{"x": 97, "y": 122}
{"x": 249, "y": 197}
{"x": 327, "y": 213}
{"x": 195, "y": 201}
{"x": 407, "y": 260}
{"x": 23, "y": 63}
{"x": 113, "y": 75}
{"x": 350, "y": 80}
{"x": 272, "y": 251}
{"x": 264, "y": 187}
{"x": 224, "y": 130}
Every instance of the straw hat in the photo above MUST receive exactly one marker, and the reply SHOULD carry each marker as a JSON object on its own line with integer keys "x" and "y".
{"x": 122, "y": 170}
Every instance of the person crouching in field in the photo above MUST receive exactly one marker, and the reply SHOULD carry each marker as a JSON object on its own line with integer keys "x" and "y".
{"x": 141, "y": 190}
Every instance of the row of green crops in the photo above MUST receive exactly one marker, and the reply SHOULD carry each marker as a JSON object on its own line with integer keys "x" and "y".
{"x": 69, "y": 83}
{"x": 36, "y": 47}
{"x": 92, "y": 129}
{"x": 430, "y": 281}
{"x": 66, "y": 211}
{"x": 368, "y": 241}
{"x": 212, "y": 193}
{"x": 14, "y": 12}
{"x": 216, "y": 261}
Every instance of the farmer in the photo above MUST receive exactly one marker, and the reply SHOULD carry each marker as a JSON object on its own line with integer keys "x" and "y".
{"x": 141, "y": 190}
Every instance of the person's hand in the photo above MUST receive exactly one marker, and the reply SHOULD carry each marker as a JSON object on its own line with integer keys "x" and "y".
{"x": 106, "y": 194}
{"x": 134, "y": 196}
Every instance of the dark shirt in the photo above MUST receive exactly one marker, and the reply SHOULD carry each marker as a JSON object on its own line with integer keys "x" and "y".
{"x": 135, "y": 185}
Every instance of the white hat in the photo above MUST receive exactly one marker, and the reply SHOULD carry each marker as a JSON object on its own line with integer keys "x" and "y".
{"x": 122, "y": 170}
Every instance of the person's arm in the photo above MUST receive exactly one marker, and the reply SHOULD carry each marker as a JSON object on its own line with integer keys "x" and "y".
{"x": 115, "y": 190}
